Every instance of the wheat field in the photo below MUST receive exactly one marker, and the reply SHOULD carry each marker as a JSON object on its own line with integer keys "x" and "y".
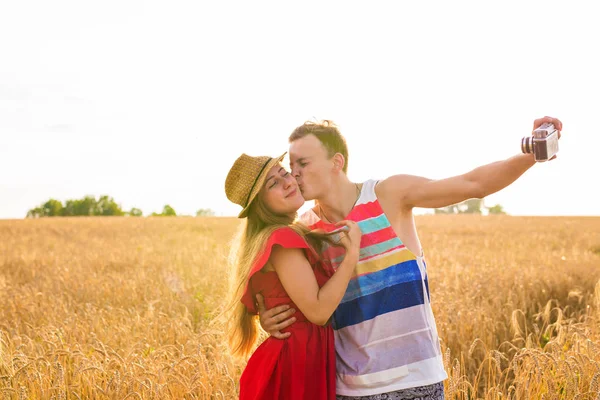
{"x": 122, "y": 308}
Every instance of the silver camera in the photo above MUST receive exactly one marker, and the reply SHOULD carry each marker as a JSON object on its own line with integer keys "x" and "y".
{"x": 543, "y": 144}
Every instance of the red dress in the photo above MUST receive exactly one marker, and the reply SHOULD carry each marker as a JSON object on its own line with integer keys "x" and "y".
{"x": 303, "y": 365}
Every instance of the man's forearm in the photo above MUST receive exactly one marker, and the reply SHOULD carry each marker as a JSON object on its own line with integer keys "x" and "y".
{"x": 496, "y": 176}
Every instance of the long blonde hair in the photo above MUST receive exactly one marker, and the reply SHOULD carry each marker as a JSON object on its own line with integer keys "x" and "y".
{"x": 242, "y": 327}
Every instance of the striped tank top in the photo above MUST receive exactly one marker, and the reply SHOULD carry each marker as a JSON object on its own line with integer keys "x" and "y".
{"x": 385, "y": 334}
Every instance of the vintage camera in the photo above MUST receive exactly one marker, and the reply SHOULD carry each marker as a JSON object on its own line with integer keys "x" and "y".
{"x": 543, "y": 144}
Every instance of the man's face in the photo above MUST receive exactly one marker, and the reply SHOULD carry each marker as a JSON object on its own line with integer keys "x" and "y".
{"x": 310, "y": 166}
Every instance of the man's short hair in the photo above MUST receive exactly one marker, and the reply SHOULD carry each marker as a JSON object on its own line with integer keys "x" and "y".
{"x": 328, "y": 134}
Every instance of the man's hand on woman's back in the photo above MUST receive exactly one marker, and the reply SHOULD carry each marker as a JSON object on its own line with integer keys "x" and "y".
{"x": 275, "y": 319}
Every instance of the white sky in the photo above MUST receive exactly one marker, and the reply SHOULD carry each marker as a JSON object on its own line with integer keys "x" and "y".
{"x": 151, "y": 103}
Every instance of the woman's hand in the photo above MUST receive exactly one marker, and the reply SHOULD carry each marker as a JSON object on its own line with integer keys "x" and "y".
{"x": 350, "y": 235}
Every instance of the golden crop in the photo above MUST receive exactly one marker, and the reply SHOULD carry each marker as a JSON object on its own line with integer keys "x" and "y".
{"x": 116, "y": 307}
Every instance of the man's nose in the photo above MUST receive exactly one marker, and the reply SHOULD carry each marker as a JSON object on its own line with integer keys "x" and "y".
{"x": 295, "y": 172}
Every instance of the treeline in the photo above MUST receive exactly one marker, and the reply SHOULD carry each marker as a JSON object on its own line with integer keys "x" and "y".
{"x": 106, "y": 206}
{"x": 103, "y": 206}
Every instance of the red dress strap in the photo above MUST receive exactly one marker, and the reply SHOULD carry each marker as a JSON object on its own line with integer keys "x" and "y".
{"x": 285, "y": 237}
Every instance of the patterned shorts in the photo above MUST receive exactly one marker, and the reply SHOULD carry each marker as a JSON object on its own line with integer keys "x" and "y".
{"x": 429, "y": 392}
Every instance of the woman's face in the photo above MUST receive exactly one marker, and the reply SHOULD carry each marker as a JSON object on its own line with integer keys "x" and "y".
{"x": 280, "y": 192}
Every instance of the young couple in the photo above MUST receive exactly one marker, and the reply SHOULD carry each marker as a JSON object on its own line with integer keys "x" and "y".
{"x": 351, "y": 271}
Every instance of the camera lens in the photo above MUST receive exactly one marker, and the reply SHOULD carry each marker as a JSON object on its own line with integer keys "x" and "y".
{"x": 527, "y": 145}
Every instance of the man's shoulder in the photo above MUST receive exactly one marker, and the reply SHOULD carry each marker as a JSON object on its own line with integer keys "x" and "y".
{"x": 395, "y": 187}
{"x": 400, "y": 181}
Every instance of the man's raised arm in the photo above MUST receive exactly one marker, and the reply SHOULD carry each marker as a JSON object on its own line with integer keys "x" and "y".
{"x": 409, "y": 191}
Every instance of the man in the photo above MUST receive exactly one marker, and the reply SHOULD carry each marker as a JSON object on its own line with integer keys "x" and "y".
{"x": 386, "y": 340}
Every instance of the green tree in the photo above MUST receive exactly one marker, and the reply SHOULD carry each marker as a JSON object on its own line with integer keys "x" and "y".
{"x": 34, "y": 213}
{"x": 205, "y": 212}
{"x": 51, "y": 208}
{"x": 470, "y": 206}
{"x": 167, "y": 211}
{"x": 452, "y": 209}
{"x": 135, "y": 212}
{"x": 107, "y": 206}
{"x": 497, "y": 210}
{"x": 85, "y": 206}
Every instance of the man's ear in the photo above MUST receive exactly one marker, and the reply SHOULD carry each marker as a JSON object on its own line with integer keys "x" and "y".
{"x": 339, "y": 161}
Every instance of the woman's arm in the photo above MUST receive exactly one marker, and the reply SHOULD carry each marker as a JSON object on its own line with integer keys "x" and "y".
{"x": 298, "y": 279}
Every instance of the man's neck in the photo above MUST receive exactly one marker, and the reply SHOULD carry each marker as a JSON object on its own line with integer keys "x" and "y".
{"x": 338, "y": 202}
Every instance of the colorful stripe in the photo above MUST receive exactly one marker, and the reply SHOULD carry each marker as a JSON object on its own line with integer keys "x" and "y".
{"x": 375, "y": 250}
{"x": 366, "y": 240}
{"x": 375, "y": 264}
{"x": 381, "y": 327}
{"x": 391, "y": 352}
{"x": 367, "y": 284}
{"x": 391, "y": 298}
{"x": 373, "y": 224}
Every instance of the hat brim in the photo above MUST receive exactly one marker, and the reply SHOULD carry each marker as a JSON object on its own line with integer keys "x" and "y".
{"x": 260, "y": 181}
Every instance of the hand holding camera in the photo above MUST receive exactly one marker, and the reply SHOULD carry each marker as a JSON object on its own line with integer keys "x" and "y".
{"x": 544, "y": 141}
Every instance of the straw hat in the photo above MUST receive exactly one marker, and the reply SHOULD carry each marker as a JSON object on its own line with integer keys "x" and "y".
{"x": 246, "y": 177}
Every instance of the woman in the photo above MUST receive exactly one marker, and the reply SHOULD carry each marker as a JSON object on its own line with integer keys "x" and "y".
{"x": 279, "y": 259}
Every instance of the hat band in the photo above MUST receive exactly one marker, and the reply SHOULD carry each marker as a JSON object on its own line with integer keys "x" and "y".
{"x": 256, "y": 180}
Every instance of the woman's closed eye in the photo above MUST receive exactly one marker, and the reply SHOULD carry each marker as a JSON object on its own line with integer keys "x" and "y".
{"x": 276, "y": 180}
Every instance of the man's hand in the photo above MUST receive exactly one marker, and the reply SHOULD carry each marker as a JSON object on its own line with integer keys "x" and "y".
{"x": 275, "y": 319}
{"x": 554, "y": 121}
